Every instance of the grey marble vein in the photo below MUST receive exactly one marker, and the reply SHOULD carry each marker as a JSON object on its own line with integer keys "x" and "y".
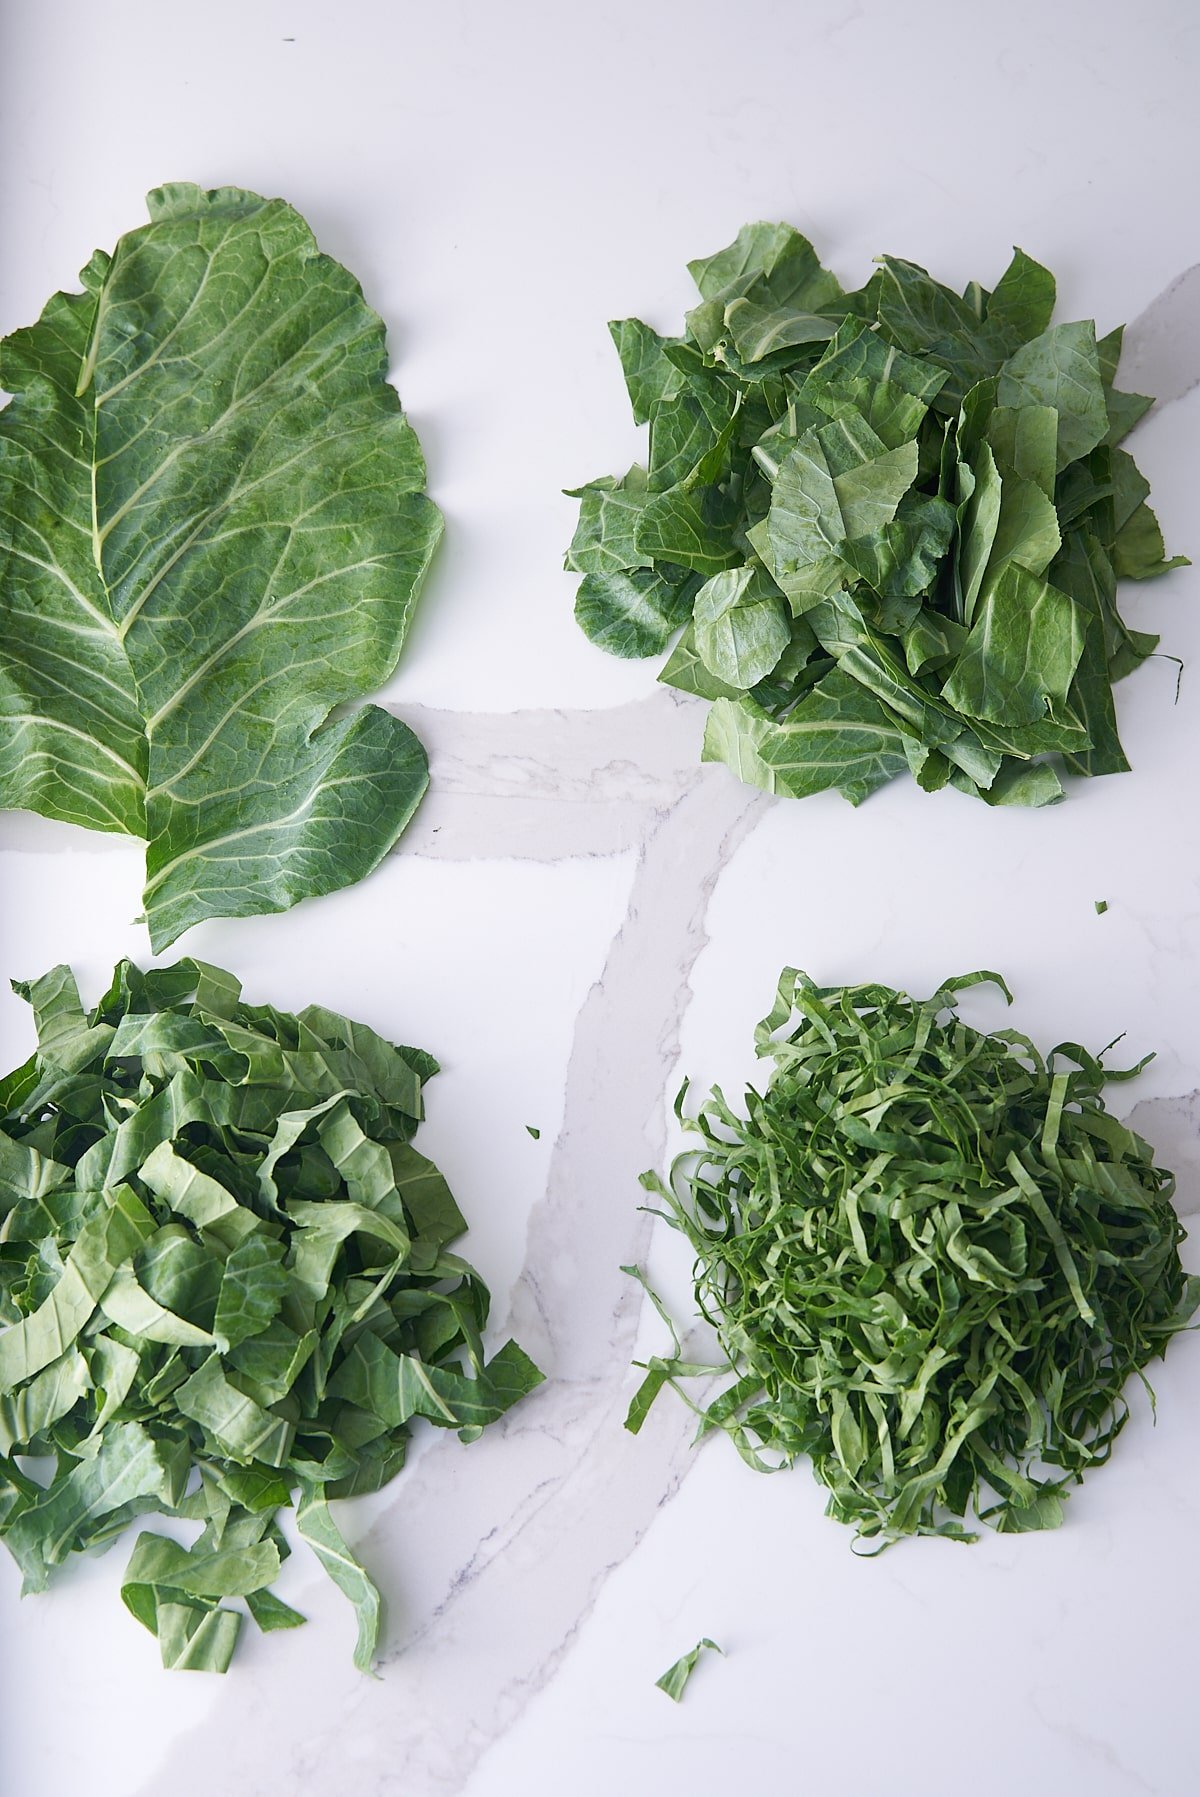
{"x": 1172, "y": 1126}
{"x": 1161, "y": 351}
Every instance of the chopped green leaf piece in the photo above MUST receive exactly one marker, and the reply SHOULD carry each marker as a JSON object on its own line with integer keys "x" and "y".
{"x": 222, "y": 1256}
{"x": 318, "y": 1528}
{"x": 633, "y": 613}
{"x": 741, "y": 626}
{"x": 1019, "y": 661}
{"x": 271, "y": 1613}
{"x": 195, "y": 1639}
{"x": 605, "y": 541}
{"x": 942, "y": 467}
{"x": 838, "y": 736}
{"x": 674, "y": 1679}
{"x": 534, "y": 1131}
{"x": 933, "y": 1259}
{"x": 1101, "y": 907}
{"x": 1060, "y": 370}
{"x": 650, "y": 375}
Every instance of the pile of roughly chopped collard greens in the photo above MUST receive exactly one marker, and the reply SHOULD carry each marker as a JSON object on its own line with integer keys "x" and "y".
{"x": 212, "y": 533}
{"x": 225, "y": 1285}
{"x": 890, "y": 522}
{"x": 932, "y": 1259}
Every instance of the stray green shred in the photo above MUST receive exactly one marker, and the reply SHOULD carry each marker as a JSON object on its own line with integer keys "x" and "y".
{"x": 888, "y": 526}
{"x": 226, "y": 1286}
{"x": 534, "y": 1132}
{"x": 674, "y": 1680}
{"x": 1101, "y": 907}
{"x": 932, "y": 1259}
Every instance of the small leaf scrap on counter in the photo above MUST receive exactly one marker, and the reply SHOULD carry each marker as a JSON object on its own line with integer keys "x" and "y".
{"x": 674, "y": 1679}
{"x": 890, "y": 523}
{"x": 225, "y": 1281}
{"x": 932, "y": 1257}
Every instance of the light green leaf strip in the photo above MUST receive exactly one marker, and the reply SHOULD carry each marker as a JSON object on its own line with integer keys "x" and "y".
{"x": 318, "y": 1528}
{"x": 106, "y": 1241}
{"x": 271, "y": 1613}
{"x": 674, "y": 1680}
{"x": 195, "y": 1639}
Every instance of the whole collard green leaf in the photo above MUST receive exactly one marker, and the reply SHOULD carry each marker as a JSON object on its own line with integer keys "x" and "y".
{"x": 932, "y": 1257}
{"x": 890, "y": 523}
{"x": 221, "y": 1256}
{"x": 213, "y": 534}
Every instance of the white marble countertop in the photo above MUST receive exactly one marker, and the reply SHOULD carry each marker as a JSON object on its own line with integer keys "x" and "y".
{"x": 580, "y": 913}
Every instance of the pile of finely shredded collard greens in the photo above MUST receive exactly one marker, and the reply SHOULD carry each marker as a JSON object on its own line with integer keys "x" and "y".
{"x": 225, "y": 1284}
{"x": 212, "y": 534}
{"x": 891, "y": 524}
{"x": 932, "y": 1259}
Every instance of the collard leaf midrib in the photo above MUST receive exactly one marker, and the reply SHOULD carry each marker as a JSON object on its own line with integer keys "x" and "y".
{"x": 242, "y": 500}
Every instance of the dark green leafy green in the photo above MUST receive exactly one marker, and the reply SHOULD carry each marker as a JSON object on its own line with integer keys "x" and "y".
{"x": 933, "y": 1260}
{"x": 891, "y": 524}
{"x": 741, "y": 626}
{"x": 674, "y": 1679}
{"x": 634, "y": 613}
{"x": 225, "y": 1283}
{"x": 212, "y": 535}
